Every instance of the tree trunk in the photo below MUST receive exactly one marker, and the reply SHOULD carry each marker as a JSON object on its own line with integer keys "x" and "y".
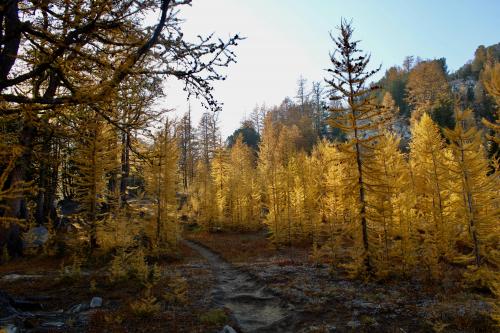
{"x": 125, "y": 168}
{"x": 17, "y": 208}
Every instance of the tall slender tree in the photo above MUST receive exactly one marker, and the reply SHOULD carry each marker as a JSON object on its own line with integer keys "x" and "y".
{"x": 357, "y": 115}
{"x": 162, "y": 181}
{"x": 475, "y": 187}
{"x": 431, "y": 178}
{"x": 96, "y": 156}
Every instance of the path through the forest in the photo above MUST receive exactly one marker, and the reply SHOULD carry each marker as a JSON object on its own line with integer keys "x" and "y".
{"x": 254, "y": 307}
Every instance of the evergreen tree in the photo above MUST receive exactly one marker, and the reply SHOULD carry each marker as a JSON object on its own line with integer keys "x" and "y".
{"x": 249, "y": 135}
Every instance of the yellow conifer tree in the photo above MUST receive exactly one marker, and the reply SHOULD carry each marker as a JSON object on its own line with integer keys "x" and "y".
{"x": 431, "y": 178}
{"x": 356, "y": 114}
{"x": 478, "y": 208}
{"x": 95, "y": 157}
{"x": 277, "y": 150}
{"x": 388, "y": 182}
{"x": 304, "y": 198}
{"x": 222, "y": 190}
{"x": 244, "y": 193}
{"x": 335, "y": 227}
{"x": 202, "y": 197}
{"x": 162, "y": 182}
{"x": 492, "y": 84}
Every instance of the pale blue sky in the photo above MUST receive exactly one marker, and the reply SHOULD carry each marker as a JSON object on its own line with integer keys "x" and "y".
{"x": 289, "y": 38}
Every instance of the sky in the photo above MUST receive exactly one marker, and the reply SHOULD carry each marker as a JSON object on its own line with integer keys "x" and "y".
{"x": 289, "y": 38}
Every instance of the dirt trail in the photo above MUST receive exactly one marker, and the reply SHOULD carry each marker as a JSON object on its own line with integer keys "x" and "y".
{"x": 254, "y": 307}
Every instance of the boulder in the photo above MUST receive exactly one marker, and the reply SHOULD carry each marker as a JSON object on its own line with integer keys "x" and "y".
{"x": 36, "y": 237}
{"x": 228, "y": 329}
{"x": 96, "y": 302}
{"x": 6, "y": 305}
{"x": 53, "y": 324}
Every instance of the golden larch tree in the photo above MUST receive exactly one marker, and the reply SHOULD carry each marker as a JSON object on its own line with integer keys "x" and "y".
{"x": 357, "y": 114}
{"x": 430, "y": 178}
{"x": 96, "y": 156}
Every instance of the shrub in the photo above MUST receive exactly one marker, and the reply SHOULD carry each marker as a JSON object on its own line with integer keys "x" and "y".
{"x": 214, "y": 317}
{"x": 147, "y": 306}
{"x": 177, "y": 292}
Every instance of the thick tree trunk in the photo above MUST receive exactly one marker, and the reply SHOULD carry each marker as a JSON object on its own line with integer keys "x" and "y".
{"x": 16, "y": 208}
{"x": 10, "y": 27}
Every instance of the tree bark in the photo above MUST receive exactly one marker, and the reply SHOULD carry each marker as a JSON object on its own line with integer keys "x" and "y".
{"x": 17, "y": 207}
{"x": 10, "y": 30}
{"x": 125, "y": 166}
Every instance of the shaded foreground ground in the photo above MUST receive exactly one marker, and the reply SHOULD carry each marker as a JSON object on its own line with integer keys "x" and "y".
{"x": 324, "y": 301}
{"x": 242, "y": 281}
{"x": 254, "y": 306}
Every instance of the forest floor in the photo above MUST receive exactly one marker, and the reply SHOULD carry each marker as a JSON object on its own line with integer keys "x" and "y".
{"x": 239, "y": 280}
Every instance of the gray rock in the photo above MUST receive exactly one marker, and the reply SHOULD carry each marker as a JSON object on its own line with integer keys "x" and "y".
{"x": 331, "y": 328}
{"x": 96, "y": 302}
{"x": 15, "y": 277}
{"x": 78, "y": 308}
{"x": 354, "y": 323}
{"x": 320, "y": 328}
{"x": 364, "y": 305}
{"x": 228, "y": 329}
{"x": 56, "y": 324}
{"x": 35, "y": 237}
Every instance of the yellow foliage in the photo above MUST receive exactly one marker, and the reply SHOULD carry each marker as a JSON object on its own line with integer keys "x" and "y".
{"x": 492, "y": 84}
{"x": 162, "y": 182}
{"x": 431, "y": 182}
{"x": 133, "y": 265}
{"x": 390, "y": 221}
{"x": 96, "y": 155}
{"x": 177, "y": 290}
{"x": 72, "y": 272}
{"x": 147, "y": 306}
{"x": 243, "y": 193}
{"x": 118, "y": 269}
{"x": 9, "y": 154}
{"x": 276, "y": 167}
{"x": 202, "y": 197}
